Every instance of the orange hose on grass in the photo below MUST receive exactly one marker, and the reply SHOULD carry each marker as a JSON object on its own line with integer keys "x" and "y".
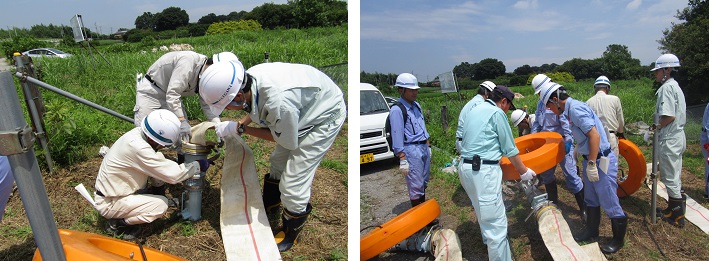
{"x": 397, "y": 229}
{"x": 637, "y": 168}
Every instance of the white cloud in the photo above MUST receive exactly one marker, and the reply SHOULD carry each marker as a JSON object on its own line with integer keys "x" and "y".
{"x": 634, "y": 4}
{"x": 526, "y": 4}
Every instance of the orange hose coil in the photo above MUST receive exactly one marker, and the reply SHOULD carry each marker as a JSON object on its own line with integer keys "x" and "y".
{"x": 539, "y": 151}
{"x": 397, "y": 229}
{"x": 88, "y": 246}
{"x": 637, "y": 168}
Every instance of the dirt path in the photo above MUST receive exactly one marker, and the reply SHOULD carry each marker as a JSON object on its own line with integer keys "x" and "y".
{"x": 4, "y": 66}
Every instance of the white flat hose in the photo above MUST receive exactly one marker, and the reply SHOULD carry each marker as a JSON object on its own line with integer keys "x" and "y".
{"x": 558, "y": 239}
{"x": 245, "y": 229}
{"x": 695, "y": 213}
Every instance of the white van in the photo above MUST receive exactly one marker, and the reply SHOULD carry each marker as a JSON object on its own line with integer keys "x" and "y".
{"x": 373, "y": 112}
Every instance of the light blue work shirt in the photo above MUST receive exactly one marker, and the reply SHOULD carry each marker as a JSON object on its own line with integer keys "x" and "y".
{"x": 547, "y": 120}
{"x": 581, "y": 120}
{"x": 487, "y": 133}
{"x": 670, "y": 102}
{"x": 704, "y": 136}
{"x": 475, "y": 101}
{"x": 415, "y": 129}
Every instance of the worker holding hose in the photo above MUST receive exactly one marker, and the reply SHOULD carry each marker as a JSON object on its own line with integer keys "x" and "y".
{"x": 487, "y": 137}
{"x": 297, "y": 106}
{"x": 600, "y": 165}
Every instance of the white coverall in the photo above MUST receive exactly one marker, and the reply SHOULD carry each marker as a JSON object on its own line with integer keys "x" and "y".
{"x": 670, "y": 102}
{"x": 173, "y": 75}
{"x": 126, "y": 169}
{"x": 608, "y": 109}
{"x": 304, "y": 110}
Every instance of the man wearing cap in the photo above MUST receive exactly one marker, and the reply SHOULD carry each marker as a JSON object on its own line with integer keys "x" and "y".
{"x": 297, "y": 106}
{"x": 600, "y": 165}
{"x": 487, "y": 137}
{"x": 546, "y": 120}
{"x": 483, "y": 93}
{"x": 410, "y": 139}
{"x": 121, "y": 185}
{"x": 609, "y": 110}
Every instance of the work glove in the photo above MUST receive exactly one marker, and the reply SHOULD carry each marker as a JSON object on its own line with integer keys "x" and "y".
{"x": 404, "y": 167}
{"x": 528, "y": 175}
{"x": 592, "y": 172}
{"x": 216, "y": 120}
{"x": 647, "y": 137}
{"x": 429, "y": 152}
{"x": 568, "y": 145}
{"x": 620, "y": 135}
{"x": 185, "y": 133}
{"x": 226, "y": 128}
{"x": 203, "y": 164}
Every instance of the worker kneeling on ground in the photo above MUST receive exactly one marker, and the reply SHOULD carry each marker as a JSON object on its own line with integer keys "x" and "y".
{"x": 122, "y": 195}
{"x": 295, "y": 105}
{"x": 600, "y": 165}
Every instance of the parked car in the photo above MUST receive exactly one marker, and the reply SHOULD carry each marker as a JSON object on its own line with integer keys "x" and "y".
{"x": 390, "y": 101}
{"x": 46, "y": 52}
{"x": 373, "y": 112}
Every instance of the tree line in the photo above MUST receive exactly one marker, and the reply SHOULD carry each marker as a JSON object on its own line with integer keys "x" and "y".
{"x": 174, "y": 21}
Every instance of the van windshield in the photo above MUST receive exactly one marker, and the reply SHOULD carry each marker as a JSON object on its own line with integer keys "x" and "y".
{"x": 372, "y": 102}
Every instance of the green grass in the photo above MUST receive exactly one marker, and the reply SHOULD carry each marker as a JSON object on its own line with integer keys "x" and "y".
{"x": 187, "y": 229}
{"x": 76, "y": 131}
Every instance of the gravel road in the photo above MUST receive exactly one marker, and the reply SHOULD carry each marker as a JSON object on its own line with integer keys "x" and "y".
{"x": 383, "y": 196}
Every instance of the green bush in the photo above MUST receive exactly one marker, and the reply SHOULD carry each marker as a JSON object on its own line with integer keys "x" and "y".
{"x": 233, "y": 26}
{"x": 558, "y": 77}
{"x": 20, "y": 44}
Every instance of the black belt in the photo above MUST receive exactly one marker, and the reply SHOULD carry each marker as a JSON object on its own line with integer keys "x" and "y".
{"x": 612, "y": 132}
{"x": 489, "y": 162}
{"x": 98, "y": 192}
{"x": 603, "y": 154}
{"x": 415, "y": 142}
{"x": 460, "y": 139}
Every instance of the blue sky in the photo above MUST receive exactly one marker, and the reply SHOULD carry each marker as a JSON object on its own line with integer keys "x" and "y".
{"x": 431, "y": 37}
{"x": 106, "y": 16}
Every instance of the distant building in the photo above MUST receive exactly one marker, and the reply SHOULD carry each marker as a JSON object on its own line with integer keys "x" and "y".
{"x": 118, "y": 35}
{"x": 435, "y": 83}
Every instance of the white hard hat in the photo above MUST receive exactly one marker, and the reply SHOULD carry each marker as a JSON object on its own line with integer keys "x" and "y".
{"x": 547, "y": 90}
{"x": 538, "y": 81}
{"x": 488, "y": 85}
{"x": 162, "y": 126}
{"x": 666, "y": 60}
{"x": 602, "y": 80}
{"x": 224, "y": 56}
{"x": 220, "y": 83}
{"x": 407, "y": 80}
{"x": 517, "y": 116}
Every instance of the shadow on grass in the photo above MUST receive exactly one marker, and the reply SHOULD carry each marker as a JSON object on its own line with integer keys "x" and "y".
{"x": 20, "y": 252}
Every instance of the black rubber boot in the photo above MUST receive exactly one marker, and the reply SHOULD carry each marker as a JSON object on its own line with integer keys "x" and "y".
{"x": 619, "y": 225}
{"x": 271, "y": 197}
{"x": 582, "y": 205}
{"x": 416, "y": 202}
{"x": 552, "y": 192}
{"x": 590, "y": 234}
{"x": 119, "y": 228}
{"x": 292, "y": 226}
{"x": 677, "y": 208}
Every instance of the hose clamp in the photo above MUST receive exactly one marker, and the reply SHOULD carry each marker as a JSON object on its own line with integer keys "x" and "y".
{"x": 16, "y": 142}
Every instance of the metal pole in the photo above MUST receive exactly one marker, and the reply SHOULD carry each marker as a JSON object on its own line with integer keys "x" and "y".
{"x": 653, "y": 174}
{"x": 72, "y": 96}
{"x": 40, "y": 129}
{"x": 27, "y": 176}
